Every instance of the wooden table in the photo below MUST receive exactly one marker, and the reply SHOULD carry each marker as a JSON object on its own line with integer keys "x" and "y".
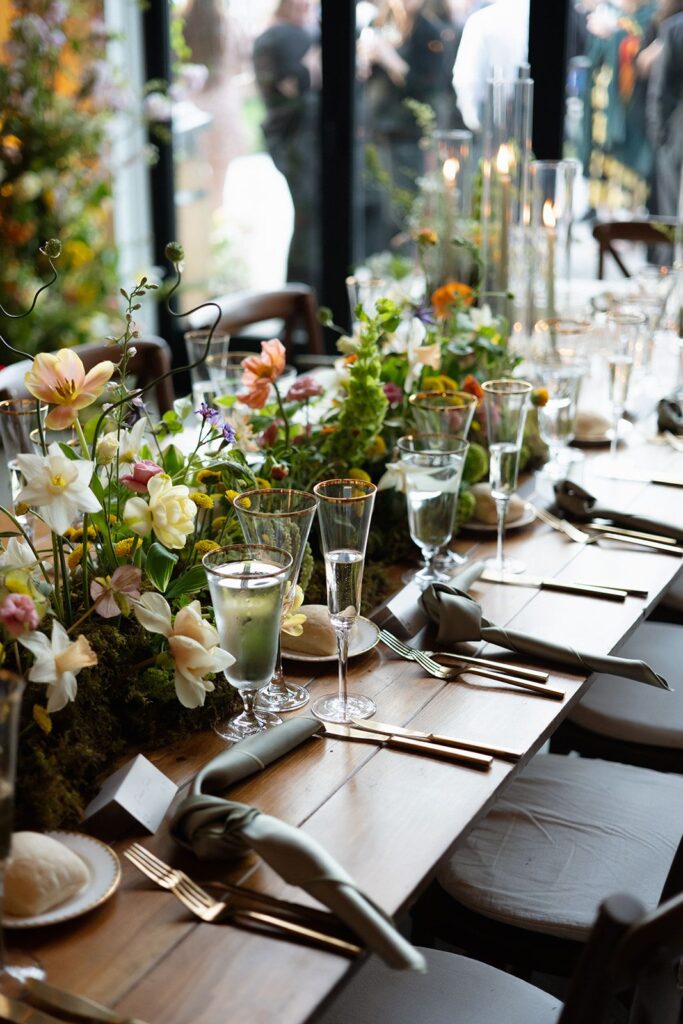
{"x": 388, "y": 817}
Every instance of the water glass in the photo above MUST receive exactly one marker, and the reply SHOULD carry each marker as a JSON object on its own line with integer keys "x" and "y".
{"x": 18, "y": 418}
{"x": 247, "y": 584}
{"x": 506, "y": 403}
{"x": 282, "y": 518}
{"x": 443, "y": 412}
{"x": 196, "y": 347}
{"x": 557, "y": 418}
{"x": 625, "y": 333}
{"x": 432, "y": 466}
{"x": 344, "y": 515}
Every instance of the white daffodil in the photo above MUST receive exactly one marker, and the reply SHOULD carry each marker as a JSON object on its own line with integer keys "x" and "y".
{"x": 57, "y": 663}
{"x": 393, "y": 478}
{"x": 408, "y": 335}
{"x": 480, "y": 317}
{"x": 192, "y": 642}
{"x": 169, "y": 513}
{"x": 58, "y": 487}
{"x": 408, "y": 340}
{"x": 17, "y": 555}
{"x": 130, "y": 443}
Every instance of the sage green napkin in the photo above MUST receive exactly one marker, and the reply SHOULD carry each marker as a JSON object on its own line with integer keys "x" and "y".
{"x": 460, "y": 620}
{"x": 670, "y": 416}
{"x": 578, "y": 504}
{"x": 217, "y": 828}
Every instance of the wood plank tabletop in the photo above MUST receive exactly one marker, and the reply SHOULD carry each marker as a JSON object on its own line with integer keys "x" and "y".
{"x": 388, "y": 817}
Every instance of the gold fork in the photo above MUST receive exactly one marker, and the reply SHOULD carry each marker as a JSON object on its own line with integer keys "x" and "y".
{"x": 211, "y": 910}
{"x": 583, "y": 537}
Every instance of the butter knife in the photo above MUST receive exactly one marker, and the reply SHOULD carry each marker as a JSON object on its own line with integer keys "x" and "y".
{"x": 75, "y": 1006}
{"x": 410, "y": 746}
{"x": 432, "y": 737}
{"x": 587, "y": 589}
{"x": 659, "y": 538}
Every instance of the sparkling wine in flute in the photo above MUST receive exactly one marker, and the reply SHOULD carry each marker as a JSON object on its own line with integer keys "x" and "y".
{"x": 344, "y": 576}
{"x": 504, "y": 461}
{"x": 619, "y": 365}
{"x": 248, "y": 620}
{"x": 6, "y": 816}
{"x": 556, "y": 421}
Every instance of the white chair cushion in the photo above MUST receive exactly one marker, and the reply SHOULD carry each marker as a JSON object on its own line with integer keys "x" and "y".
{"x": 567, "y": 833}
{"x": 455, "y": 990}
{"x": 629, "y": 711}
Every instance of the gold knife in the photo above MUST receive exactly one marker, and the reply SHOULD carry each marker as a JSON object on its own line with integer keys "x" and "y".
{"x": 75, "y": 1006}
{"x": 587, "y": 589}
{"x": 471, "y": 759}
{"x": 432, "y": 737}
{"x": 658, "y": 538}
{"x": 21, "y": 1013}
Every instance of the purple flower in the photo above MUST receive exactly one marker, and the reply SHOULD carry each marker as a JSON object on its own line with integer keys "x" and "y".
{"x": 228, "y": 433}
{"x": 207, "y": 413}
{"x": 136, "y": 411}
{"x": 425, "y": 314}
{"x": 393, "y": 392}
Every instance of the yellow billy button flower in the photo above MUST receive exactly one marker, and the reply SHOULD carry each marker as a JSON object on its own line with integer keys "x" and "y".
{"x": 231, "y": 495}
{"x": 202, "y": 547}
{"x": 60, "y": 380}
{"x": 201, "y": 500}
{"x": 218, "y": 524}
{"x": 76, "y": 556}
{"x": 359, "y": 474}
{"x": 205, "y": 476}
{"x": 125, "y": 548}
{"x": 539, "y": 397}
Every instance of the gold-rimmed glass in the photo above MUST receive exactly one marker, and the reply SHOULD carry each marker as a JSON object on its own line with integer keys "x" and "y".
{"x": 626, "y": 335}
{"x": 344, "y": 514}
{"x": 18, "y": 418}
{"x": 247, "y": 584}
{"x": 506, "y": 403}
{"x": 281, "y": 517}
{"x": 443, "y": 412}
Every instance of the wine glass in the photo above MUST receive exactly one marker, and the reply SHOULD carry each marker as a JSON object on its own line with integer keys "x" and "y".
{"x": 16, "y": 967}
{"x": 19, "y": 417}
{"x": 433, "y": 465}
{"x": 557, "y": 418}
{"x": 344, "y": 514}
{"x": 624, "y": 335}
{"x": 283, "y": 518}
{"x": 247, "y": 583}
{"x": 204, "y": 384}
{"x": 506, "y": 403}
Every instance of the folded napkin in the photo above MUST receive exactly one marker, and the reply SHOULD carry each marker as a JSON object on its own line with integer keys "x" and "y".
{"x": 669, "y": 416}
{"x": 216, "y": 828}
{"x": 579, "y": 505}
{"x": 460, "y": 620}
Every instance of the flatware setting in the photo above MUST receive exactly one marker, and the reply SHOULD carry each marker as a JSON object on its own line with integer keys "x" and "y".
{"x": 47, "y": 997}
{"x": 503, "y": 753}
{"x": 581, "y": 536}
{"x": 459, "y": 667}
{"x": 394, "y": 739}
{"x": 288, "y": 923}
{"x": 540, "y": 583}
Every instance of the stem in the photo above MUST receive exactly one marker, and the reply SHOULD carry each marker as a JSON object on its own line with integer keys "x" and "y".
{"x": 87, "y": 614}
{"x": 248, "y": 698}
{"x": 277, "y": 686}
{"x": 56, "y": 586}
{"x": 282, "y": 413}
{"x": 65, "y": 578}
{"x": 501, "y": 509}
{"x": 343, "y": 651}
{"x": 144, "y": 664}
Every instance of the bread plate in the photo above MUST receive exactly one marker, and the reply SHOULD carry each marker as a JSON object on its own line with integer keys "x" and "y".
{"x": 474, "y": 526}
{"x": 105, "y": 874}
{"x": 364, "y": 637}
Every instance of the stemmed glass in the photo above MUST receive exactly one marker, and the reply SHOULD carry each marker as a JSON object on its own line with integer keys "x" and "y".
{"x": 344, "y": 514}
{"x": 506, "y": 403}
{"x": 17, "y": 967}
{"x": 247, "y": 583}
{"x": 557, "y": 418}
{"x": 433, "y": 465}
{"x": 18, "y": 419}
{"x": 625, "y": 331}
{"x": 283, "y": 518}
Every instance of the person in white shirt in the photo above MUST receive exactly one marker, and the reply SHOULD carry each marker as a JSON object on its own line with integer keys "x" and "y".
{"x": 494, "y": 38}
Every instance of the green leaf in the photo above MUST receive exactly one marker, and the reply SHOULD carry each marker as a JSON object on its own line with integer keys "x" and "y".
{"x": 172, "y": 422}
{"x": 70, "y": 452}
{"x": 189, "y": 583}
{"x": 97, "y": 488}
{"x": 174, "y": 460}
{"x": 159, "y": 566}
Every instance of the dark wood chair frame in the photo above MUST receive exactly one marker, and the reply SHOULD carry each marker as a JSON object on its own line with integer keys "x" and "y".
{"x": 649, "y": 232}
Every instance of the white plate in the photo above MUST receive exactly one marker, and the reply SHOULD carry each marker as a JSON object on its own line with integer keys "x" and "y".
{"x": 363, "y": 638}
{"x": 105, "y": 874}
{"x": 526, "y": 519}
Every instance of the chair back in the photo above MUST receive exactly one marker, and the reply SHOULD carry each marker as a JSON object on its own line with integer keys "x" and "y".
{"x": 648, "y": 232}
{"x": 294, "y": 304}
{"x": 151, "y": 360}
{"x": 630, "y": 950}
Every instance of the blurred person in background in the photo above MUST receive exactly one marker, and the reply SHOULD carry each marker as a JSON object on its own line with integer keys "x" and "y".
{"x": 288, "y": 74}
{"x": 665, "y": 106}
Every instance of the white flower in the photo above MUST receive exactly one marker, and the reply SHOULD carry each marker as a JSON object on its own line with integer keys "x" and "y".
{"x": 17, "y": 555}
{"x": 192, "y": 642}
{"x": 57, "y": 486}
{"x": 170, "y": 512}
{"x": 107, "y": 447}
{"x": 408, "y": 335}
{"x": 130, "y": 443}
{"x": 57, "y": 663}
{"x": 393, "y": 478}
{"x": 408, "y": 340}
{"x": 481, "y": 317}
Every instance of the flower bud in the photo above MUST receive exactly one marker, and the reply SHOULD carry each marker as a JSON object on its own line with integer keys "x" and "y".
{"x": 107, "y": 448}
{"x": 53, "y": 248}
{"x": 174, "y": 252}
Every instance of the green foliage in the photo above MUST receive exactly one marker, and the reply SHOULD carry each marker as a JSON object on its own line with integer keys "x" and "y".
{"x": 159, "y": 566}
{"x": 476, "y": 464}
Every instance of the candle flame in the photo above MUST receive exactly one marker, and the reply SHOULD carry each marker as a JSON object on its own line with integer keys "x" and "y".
{"x": 549, "y": 218}
{"x": 505, "y": 159}
{"x": 451, "y": 167}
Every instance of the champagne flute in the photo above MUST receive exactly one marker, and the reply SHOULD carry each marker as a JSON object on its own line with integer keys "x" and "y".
{"x": 557, "y": 418}
{"x": 16, "y": 967}
{"x": 247, "y": 583}
{"x": 433, "y": 465}
{"x": 625, "y": 331}
{"x": 19, "y": 417}
{"x": 344, "y": 514}
{"x": 505, "y": 403}
{"x": 283, "y": 518}
{"x": 444, "y": 412}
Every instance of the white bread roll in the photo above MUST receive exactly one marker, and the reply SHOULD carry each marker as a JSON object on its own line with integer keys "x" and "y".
{"x": 485, "y": 506}
{"x": 318, "y": 636}
{"x": 40, "y": 874}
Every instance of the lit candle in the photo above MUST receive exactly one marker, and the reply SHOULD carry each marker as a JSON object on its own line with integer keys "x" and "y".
{"x": 504, "y": 162}
{"x": 550, "y": 221}
{"x": 450, "y": 169}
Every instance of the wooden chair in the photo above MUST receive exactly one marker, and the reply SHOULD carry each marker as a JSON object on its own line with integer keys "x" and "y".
{"x": 647, "y": 232}
{"x": 630, "y": 953}
{"x": 294, "y": 304}
{"x": 151, "y": 360}
{"x": 524, "y": 885}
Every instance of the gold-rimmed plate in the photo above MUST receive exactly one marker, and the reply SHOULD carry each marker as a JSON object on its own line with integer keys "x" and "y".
{"x": 104, "y": 870}
{"x": 364, "y": 636}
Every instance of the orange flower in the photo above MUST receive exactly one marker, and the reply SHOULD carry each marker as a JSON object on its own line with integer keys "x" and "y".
{"x": 454, "y": 293}
{"x": 426, "y": 236}
{"x": 59, "y": 378}
{"x": 472, "y": 386}
{"x": 261, "y": 372}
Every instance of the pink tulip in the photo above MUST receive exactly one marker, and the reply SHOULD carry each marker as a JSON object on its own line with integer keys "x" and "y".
{"x": 143, "y": 471}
